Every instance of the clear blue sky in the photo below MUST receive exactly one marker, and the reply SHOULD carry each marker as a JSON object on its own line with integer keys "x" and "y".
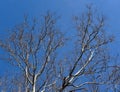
{"x": 12, "y": 12}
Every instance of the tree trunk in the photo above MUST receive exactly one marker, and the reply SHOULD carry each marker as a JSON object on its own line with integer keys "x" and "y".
{"x": 19, "y": 88}
{"x": 34, "y": 84}
{"x": 34, "y": 87}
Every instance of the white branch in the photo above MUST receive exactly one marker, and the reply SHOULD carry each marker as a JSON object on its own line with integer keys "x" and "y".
{"x": 86, "y": 83}
{"x": 79, "y": 71}
{"x": 27, "y": 75}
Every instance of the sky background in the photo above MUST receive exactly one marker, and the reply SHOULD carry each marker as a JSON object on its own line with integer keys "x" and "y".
{"x": 13, "y": 11}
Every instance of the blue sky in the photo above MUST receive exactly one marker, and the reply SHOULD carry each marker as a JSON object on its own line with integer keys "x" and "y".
{"x": 12, "y": 12}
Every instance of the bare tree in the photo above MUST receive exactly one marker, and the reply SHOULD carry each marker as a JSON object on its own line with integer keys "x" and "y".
{"x": 32, "y": 48}
{"x": 91, "y": 58}
{"x": 36, "y": 50}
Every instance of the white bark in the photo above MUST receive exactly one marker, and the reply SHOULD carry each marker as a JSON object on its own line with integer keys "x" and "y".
{"x": 79, "y": 71}
{"x": 34, "y": 84}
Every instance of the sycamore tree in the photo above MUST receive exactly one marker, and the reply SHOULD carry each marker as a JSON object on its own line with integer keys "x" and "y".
{"x": 39, "y": 49}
